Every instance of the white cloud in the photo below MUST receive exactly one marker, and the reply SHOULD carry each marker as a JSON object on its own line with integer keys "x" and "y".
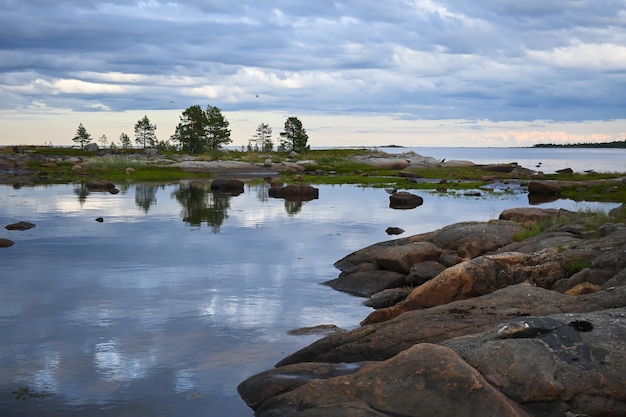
{"x": 414, "y": 59}
{"x": 589, "y": 56}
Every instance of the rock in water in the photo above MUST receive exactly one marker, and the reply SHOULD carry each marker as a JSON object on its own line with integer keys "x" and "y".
{"x": 5, "y": 243}
{"x": 20, "y": 226}
{"x": 405, "y": 200}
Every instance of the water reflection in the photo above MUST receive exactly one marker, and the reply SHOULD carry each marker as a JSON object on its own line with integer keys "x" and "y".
{"x": 114, "y": 365}
{"x": 144, "y": 315}
{"x": 82, "y": 191}
{"x": 201, "y": 205}
{"x": 145, "y": 196}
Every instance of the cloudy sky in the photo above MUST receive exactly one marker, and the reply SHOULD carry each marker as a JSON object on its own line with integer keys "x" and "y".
{"x": 355, "y": 72}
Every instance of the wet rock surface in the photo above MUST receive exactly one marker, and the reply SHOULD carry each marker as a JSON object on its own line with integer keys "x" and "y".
{"x": 495, "y": 332}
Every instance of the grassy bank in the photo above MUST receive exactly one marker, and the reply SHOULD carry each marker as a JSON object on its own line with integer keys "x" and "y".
{"x": 588, "y": 219}
{"x": 332, "y": 166}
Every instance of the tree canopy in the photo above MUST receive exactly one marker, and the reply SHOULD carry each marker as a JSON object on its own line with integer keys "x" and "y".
{"x": 124, "y": 140}
{"x": 262, "y": 139}
{"x": 81, "y": 137}
{"x": 144, "y": 132}
{"x": 201, "y": 130}
{"x": 294, "y": 138}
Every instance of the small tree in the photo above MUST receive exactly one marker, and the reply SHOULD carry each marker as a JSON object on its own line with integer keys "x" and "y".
{"x": 166, "y": 146}
{"x": 125, "y": 140}
{"x": 144, "y": 132}
{"x": 103, "y": 140}
{"x": 294, "y": 138}
{"x": 82, "y": 137}
{"x": 262, "y": 139}
{"x": 218, "y": 133}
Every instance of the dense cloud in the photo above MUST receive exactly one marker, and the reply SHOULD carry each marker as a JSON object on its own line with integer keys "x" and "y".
{"x": 414, "y": 59}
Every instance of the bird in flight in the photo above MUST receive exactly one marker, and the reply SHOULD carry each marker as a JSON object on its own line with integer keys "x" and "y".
{"x": 171, "y": 101}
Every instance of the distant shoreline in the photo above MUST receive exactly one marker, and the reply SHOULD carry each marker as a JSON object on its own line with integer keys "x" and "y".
{"x": 619, "y": 144}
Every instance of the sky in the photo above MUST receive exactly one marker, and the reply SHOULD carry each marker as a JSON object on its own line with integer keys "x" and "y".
{"x": 356, "y": 73}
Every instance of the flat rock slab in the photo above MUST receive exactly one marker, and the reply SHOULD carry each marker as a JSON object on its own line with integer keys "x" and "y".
{"x": 217, "y": 166}
{"x": 472, "y": 358}
{"x": 367, "y": 283}
{"x": 424, "y": 380}
{"x": 381, "y": 341}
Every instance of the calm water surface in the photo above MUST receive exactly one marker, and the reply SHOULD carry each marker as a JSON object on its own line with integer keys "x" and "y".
{"x": 547, "y": 160}
{"x": 179, "y": 295}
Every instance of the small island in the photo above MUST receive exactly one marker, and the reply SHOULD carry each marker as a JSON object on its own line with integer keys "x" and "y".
{"x": 616, "y": 144}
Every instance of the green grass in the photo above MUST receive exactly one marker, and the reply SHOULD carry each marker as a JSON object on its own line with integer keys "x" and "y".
{"x": 334, "y": 166}
{"x": 532, "y": 231}
{"x": 576, "y": 265}
{"x": 614, "y": 192}
{"x": 589, "y": 219}
{"x": 113, "y": 162}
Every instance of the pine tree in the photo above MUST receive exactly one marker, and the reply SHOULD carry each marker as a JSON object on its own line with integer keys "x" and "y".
{"x": 125, "y": 140}
{"x": 218, "y": 133}
{"x": 199, "y": 131}
{"x": 144, "y": 132}
{"x": 262, "y": 139}
{"x": 190, "y": 132}
{"x": 82, "y": 137}
{"x": 294, "y": 138}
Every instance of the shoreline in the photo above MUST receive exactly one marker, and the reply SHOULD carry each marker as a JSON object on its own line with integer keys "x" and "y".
{"x": 406, "y": 171}
{"x": 516, "y": 320}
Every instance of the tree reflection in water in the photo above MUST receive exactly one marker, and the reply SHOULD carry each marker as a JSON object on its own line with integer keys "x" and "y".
{"x": 200, "y": 205}
{"x": 145, "y": 196}
{"x": 82, "y": 192}
{"x": 293, "y": 207}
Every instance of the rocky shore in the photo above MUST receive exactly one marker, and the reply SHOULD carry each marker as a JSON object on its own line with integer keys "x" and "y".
{"x": 470, "y": 321}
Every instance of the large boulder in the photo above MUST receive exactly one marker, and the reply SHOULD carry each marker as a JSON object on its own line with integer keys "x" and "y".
{"x": 382, "y": 340}
{"x": 224, "y": 185}
{"x": 529, "y": 351}
{"x": 471, "y": 239}
{"x": 402, "y": 258}
{"x": 92, "y": 147}
{"x": 557, "y": 364}
{"x": 470, "y": 279}
{"x": 100, "y": 185}
{"x": 434, "y": 375}
{"x": 544, "y": 187}
{"x": 296, "y": 192}
{"x": 491, "y": 328}
{"x": 405, "y": 200}
{"x": 423, "y": 271}
{"x": 531, "y": 214}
